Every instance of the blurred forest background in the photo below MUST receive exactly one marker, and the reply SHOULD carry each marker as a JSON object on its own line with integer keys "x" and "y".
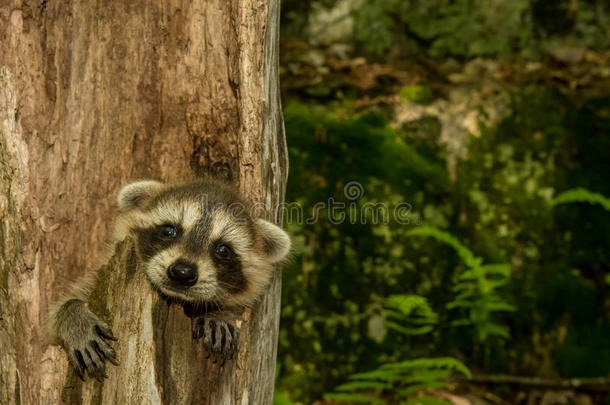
{"x": 491, "y": 119}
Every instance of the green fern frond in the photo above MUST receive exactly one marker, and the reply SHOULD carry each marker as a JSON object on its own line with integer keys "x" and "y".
{"x": 402, "y": 378}
{"x": 420, "y": 387}
{"x": 409, "y": 314}
{"x": 423, "y": 376}
{"x": 466, "y": 254}
{"x": 363, "y": 385}
{"x": 491, "y": 329}
{"x": 409, "y": 331}
{"x": 459, "y": 303}
{"x": 360, "y": 398}
{"x": 382, "y": 375}
{"x": 408, "y": 304}
{"x": 498, "y": 269}
{"x": 461, "y": 322}
{"x": 582, "y": 195}
{"x": 428, "y": 363}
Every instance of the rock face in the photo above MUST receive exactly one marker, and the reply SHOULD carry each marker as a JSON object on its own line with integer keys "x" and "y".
{"x": 93, "y": 95}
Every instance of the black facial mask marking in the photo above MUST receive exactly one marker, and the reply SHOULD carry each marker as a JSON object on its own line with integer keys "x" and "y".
{"x": 228, "y": 270}
{"x": 153, "y": 240}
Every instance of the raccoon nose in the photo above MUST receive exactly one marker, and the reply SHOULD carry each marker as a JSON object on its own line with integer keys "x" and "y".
{"x": 183, "y": 273}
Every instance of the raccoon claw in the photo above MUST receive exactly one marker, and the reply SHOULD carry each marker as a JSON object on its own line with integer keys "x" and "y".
{"x": 105, "y": 332}
{"x": 197, "y": 327}
{"x": 76, "y": 364}
{"x": 104, "y": 351}
{"x": 219, "y": 337}
{"x": 88, "y": 354}
{"x": 86, "y": 362}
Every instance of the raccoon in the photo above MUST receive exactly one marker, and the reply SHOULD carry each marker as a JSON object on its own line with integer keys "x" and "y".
{"x": 199, "y": 246}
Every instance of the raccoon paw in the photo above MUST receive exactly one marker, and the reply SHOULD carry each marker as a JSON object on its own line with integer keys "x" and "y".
{"x": 88, "y": 349}
{"x": 219, "y": 336}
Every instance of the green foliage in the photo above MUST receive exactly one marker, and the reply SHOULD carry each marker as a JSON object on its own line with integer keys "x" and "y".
{"x": 582, "y": 195}
{"x": 464, "y": 28}
{"x": 281, "y": 398}
{"x": 463, "y": 252}
{"x": 477, "y": 289}
{"x": 416, "y": 93}
{"x": 423, "y": 369}
{"x": 359, "y": 398}
{"x": 352, "y": 285}
{"x": 501, "y": 206}
{"x": 334, "y": 290}
{"x": 376, "y": 23}
{"x": 477, "y": 294}
{"x": 409, "y": 314}
{"x": 400, "y": 381}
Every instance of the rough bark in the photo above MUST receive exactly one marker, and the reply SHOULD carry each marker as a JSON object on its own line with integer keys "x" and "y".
{"x": 92, "y": 95}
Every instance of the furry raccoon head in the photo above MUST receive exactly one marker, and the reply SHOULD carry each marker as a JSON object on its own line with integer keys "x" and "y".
{"x": 198, "y": 243}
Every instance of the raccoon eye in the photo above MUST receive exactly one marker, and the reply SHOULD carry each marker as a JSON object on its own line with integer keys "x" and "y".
{"x": 223, "y": 252}
{"x": 167, "y": 231}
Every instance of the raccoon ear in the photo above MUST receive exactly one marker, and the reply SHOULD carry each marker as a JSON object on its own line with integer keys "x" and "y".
{"x": 276, "y": 241}
{"x": 132, "y": 195}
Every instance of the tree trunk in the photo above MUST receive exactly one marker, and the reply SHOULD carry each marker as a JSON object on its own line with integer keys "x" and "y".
{"x": 92, "y": 95}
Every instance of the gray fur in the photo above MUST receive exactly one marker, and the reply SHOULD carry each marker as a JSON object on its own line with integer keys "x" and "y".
{"x": 85, "y": 338}
{"x": 203, "y": 216}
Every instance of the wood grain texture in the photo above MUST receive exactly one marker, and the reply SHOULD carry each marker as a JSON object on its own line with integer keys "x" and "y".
{"x": 93, "y": 95}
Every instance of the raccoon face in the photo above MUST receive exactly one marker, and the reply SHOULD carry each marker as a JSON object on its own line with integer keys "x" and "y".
{"x": 198, "y": 243}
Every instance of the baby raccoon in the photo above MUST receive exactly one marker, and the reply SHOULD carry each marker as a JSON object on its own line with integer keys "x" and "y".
{"x": 199, "y": 247}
